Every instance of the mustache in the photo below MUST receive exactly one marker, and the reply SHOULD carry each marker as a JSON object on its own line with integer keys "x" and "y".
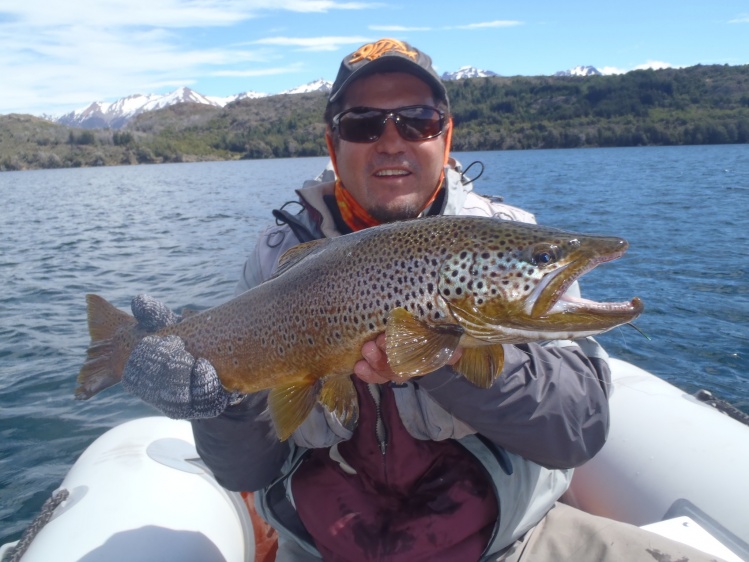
{"x": 391, "y": 161}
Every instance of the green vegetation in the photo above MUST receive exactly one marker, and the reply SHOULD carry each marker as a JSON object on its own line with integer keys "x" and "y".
{"x": 696, "y": 105}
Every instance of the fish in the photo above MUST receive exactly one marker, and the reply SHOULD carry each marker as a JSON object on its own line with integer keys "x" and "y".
{"x": 430, "y": 284}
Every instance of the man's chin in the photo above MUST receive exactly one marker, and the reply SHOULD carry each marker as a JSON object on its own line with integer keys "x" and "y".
{"x": 395, "y": 212}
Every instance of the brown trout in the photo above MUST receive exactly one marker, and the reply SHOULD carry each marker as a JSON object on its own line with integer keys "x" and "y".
{"x": 430, "y": 284}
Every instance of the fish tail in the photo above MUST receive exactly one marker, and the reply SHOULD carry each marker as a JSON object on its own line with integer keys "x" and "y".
{"x": 101, "y": 369}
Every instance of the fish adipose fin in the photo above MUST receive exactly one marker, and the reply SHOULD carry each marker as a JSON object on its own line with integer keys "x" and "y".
{"x": 97, "y": 373}
{"x": 415, "y": 348}
{"x": 338, "y": 395}
{"x": 290, "y": 405}
{"x": 481, "y": 365}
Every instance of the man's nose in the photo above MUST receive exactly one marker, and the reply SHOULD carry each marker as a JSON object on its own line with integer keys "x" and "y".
{"x": 391, "y": 139}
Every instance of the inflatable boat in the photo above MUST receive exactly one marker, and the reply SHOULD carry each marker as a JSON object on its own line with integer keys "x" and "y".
{"x": 673, "y": 464}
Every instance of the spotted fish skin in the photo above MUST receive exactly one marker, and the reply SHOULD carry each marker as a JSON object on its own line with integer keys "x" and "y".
{"x": 431, "y": 284}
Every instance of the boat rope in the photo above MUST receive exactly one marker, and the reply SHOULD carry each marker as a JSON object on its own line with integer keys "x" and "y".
{"x": 722, "y": 406}
{"x": 15, "y": 553}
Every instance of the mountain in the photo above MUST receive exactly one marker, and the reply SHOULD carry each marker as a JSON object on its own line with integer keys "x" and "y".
{"x": 580, "y": 71}
{"x": 468, "y": 72}
{"x": 702, "y": 104}
{"x": 102, "y": 115}
{"x": 315, "y": 86}
{"x": 221, "y": 102}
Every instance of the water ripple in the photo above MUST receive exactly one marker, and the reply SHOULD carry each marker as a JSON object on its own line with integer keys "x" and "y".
{"x": 181, "y": 232}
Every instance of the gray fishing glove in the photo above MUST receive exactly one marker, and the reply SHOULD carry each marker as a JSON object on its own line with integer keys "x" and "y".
{"x": 162, "y": 373}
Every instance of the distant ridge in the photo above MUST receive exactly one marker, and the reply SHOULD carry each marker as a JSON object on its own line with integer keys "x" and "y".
{"x": 102, "y": 115}
{"x": 115, "y": 115}
{"x": 580, "y": 71}
{"x": 697, "y": 105}
{"x": 468, "y": 72}
{"x": 314, "y": 86}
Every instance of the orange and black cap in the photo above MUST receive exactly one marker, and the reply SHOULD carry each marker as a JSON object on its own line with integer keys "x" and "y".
{"x": 386, "y": 55}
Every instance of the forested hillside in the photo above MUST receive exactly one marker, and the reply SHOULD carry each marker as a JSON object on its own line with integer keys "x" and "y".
{"x": 696, "y": 105}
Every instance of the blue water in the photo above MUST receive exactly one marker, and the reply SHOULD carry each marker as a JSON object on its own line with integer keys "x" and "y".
{"x": 181, "y": 232}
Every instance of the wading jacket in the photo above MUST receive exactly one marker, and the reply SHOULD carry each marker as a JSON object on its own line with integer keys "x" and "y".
{"x": 547, "y": 413}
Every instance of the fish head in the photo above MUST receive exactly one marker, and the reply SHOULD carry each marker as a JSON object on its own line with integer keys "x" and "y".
{"x": 507, "y": 282}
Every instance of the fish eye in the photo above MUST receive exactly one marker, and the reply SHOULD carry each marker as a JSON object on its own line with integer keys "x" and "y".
{"x": 544, "y": 254}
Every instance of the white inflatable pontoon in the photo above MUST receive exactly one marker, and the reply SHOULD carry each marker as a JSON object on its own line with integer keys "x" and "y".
{"x": 672, "y": 464}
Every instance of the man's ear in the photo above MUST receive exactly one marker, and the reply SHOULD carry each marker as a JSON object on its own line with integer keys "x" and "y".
{"x": 330, "y": 140}
{"x": 448, "y": 140}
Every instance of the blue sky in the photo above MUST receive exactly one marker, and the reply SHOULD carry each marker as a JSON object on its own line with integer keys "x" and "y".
{"x": 59, "y": 56}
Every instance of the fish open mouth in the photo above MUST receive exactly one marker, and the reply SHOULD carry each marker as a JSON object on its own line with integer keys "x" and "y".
{"x": 567, "y": 303}
{"x": 550, "y": 296}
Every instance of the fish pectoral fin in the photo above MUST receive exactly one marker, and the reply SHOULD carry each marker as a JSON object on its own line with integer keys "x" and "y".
{"x": 481, "y": 365}
{"x": 415, "y": 348}
{"x": 338, "y": 395}
{"x": 289, "y": 405}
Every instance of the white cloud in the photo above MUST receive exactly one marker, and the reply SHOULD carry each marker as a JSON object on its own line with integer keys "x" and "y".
{"x": 480, "y": 25}
{"x": 57, "y": 54}
{"x": 653, "y": 65}
{"x": 743, "y": 18}
{"x": 496, "y": 23}
{"x": 398, "y": 28}
{"x": 649, "y": 65}
{"x": 253, "y": 73}
{"x": 608, "y": 70}
{"x": 313, "y": 43}
{"x": 321, "y": 5}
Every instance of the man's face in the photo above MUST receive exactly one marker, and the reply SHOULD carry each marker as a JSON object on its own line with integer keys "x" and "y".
{"x": 392, "y": 178}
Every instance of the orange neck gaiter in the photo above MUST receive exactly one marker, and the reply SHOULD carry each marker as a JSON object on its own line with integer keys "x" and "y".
{"x": 353, "y": 214}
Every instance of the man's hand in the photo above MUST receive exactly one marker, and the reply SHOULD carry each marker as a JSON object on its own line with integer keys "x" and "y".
{"x": 161, "y": 372}
{"x": 374, "y": 367}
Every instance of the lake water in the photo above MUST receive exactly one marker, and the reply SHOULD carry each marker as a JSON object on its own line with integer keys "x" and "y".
{"x": 181, "y": 233}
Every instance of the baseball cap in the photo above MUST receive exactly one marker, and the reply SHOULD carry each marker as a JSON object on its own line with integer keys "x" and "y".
{"x": 386, "y": 55}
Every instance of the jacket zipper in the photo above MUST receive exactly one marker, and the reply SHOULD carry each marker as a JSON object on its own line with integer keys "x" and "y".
{"x": 380, "y": 429}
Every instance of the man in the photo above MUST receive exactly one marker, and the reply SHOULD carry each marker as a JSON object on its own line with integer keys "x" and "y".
{"x": 436, "y": 469}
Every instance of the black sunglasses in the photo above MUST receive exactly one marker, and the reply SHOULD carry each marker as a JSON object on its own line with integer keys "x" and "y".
{"x": 366, "y": 124}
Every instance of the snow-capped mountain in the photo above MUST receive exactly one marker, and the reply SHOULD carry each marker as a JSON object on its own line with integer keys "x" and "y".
{"x": 468, "y": 72}
{"x": 236, "y": 97}
{"x": 115, "y": 115}
{"x": 580, "y": 71}
{"x": 314, "y": 86}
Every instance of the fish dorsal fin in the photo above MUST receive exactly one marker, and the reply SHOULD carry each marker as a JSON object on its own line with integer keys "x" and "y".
{"x": 187, "y": 312}
{"x": 297, "y": 253}
{"x": 290, "y": 404}
{"x": 338, "y": 395}
{"x": 481, "y": 365}
{"x": 415, "y": 348}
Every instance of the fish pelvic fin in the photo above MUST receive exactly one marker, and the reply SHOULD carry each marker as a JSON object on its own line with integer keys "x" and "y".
{"x": 338, "y": 395}
{"x": 481, "y": 365}
{"x": 100, "y": 370}
{"x": 290, "y": 404}
{"x": 415, "y": 348}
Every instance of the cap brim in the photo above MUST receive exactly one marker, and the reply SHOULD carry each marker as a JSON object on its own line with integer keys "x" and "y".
{"x": 391, "y": 64}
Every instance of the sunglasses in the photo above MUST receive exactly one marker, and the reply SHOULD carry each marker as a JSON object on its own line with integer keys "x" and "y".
{"x": 366, "y": 124}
